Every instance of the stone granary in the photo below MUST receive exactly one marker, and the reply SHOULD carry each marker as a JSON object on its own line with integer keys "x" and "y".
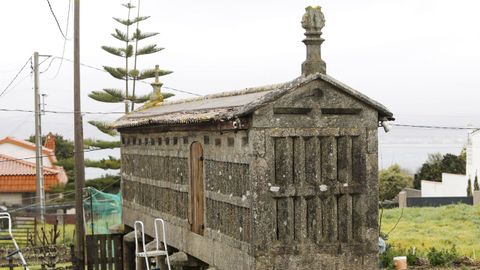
{"x": 275, "y": 177}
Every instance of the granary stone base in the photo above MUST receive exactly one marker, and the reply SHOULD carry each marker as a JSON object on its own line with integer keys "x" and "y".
{"x": 317, "y": 262}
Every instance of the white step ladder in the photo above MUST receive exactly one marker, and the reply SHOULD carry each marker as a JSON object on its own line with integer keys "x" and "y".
{"x": 6, "y": 216}
{"x": 151, "y": 253}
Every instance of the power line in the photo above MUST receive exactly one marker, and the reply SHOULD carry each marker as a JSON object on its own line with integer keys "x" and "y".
{"x": 15, "y": 77}
{"x": 34, "y": 197}
{"x": 434, "y": 127}
{"x": 56, "y": 20}
{"x": 64, "y": 41}
{"x": 58, "y": 112}
{"x": 99, "y": 69}
{"x": 178, "y": 90}
{"x": 49, "y": 65}
{"x": 45, "y": 156}
{"x": 138, "y": 112}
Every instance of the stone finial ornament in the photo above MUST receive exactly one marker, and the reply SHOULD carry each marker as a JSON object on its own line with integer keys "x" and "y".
{"x": 313, "y": 21}
{"x": 157, "y": 86}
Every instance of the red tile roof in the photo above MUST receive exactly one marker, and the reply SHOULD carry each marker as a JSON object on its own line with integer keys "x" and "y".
{"x": 12, "y": 166}
{"x": 28, "y": 145}
{"x": 20, "y": 176}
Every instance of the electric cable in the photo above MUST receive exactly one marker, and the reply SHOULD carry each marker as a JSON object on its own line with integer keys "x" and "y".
{"x": 45, "y": 156}
{"x": 56, "y": 20}
{"x": 435, "y": 127}
{"x": 15, "y": 77}
{"x": 99, "y": 69}
{"x": 64, "y": 42}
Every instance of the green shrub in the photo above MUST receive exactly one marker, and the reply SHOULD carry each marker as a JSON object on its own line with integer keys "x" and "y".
{"x": 443, "y": 257}
{"x": 386, "y": 259}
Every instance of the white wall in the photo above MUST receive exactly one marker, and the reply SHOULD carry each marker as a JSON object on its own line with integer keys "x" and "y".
{"x": 473, "y": 155}
{"x": 10, "y": 199}
{"x": 452, "y": 185}
{"x": 20, "y": 152}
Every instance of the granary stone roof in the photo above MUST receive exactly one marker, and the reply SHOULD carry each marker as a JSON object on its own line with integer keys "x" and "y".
{"x": 230, "y": 105}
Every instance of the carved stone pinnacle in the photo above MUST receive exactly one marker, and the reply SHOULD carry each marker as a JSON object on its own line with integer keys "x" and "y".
{"x": 313, "y": 21}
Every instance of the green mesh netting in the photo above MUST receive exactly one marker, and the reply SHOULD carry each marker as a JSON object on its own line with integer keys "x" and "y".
{"x": 102, "y": 211}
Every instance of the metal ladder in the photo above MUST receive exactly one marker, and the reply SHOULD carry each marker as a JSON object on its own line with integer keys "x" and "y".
{"x": 3, "y": 216}
{"x": 151, "y": 253}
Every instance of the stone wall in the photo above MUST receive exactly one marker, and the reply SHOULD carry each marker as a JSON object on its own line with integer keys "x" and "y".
{"x": 317, "y": 190}
{"x": 298, "y": 190}
{"x": 156, "y": 183}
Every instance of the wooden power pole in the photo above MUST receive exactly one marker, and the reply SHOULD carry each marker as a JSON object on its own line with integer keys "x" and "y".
{"x": 40, "y": 187}
{"x": 78, "y": 137}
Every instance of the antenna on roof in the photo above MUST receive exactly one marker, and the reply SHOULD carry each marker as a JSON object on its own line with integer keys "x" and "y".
{"x": 313, "y": 21}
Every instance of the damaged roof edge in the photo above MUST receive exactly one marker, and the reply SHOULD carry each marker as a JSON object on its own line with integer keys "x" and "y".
{"x": 145, "y": 117}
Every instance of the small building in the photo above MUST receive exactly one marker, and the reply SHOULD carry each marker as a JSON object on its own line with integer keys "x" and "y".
{"x": 455, "y": 185}
{"x": 452, "y": 185}
{"x": 18, "y": 170}
{"x": 275, "y": 177}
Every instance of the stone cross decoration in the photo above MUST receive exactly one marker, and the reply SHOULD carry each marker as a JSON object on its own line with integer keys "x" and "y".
{"x": 313, "y": 21}
{"x": 157, "y": 85}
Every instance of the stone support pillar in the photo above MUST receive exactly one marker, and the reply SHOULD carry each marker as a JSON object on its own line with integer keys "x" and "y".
{"x": 402, "y": 199}
{"x": 476, "y": 198}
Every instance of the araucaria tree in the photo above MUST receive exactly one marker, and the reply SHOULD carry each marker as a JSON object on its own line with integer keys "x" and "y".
{"x": 129, "y": 73}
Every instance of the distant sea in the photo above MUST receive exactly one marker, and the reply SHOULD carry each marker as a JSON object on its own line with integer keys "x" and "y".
{"x": 410, "y": 147}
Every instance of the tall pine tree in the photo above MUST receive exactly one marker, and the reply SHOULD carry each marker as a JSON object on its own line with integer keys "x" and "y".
{"x": 130, "y": 75}
{"x": 469, "y": 188}
{"x": 475, "y": 183}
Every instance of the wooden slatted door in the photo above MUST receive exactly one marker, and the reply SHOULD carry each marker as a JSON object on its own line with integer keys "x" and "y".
{"x": 104, "y": 252}
{"x": 197, "y": 207}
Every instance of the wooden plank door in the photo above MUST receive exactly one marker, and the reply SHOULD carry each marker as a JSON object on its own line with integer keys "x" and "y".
{"x": 196, "y": 188}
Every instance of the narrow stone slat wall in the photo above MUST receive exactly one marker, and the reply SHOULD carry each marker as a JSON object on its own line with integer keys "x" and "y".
{"x": 162, "y": 173}
{"x": 227, "y": 183}
{"x": 318, "y": 189}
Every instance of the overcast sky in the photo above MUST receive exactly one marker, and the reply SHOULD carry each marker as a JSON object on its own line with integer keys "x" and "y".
{"x": 419, "y": 58}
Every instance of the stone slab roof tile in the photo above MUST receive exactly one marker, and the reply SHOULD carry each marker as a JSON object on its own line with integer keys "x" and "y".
{"x": 229, "y": 105}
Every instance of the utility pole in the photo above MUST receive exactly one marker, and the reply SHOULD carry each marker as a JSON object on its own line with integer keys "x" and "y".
{"x": 40, "y": 187}
{"x": 78, "y": 137}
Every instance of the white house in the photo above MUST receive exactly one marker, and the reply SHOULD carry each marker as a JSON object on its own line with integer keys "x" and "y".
{"x": 455, "y": 185}
{"x": 452, "y": 185}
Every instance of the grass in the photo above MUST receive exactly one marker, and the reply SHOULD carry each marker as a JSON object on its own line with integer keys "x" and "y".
{"x": 69, "y": 230}
{"x": 440, "y": 227}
